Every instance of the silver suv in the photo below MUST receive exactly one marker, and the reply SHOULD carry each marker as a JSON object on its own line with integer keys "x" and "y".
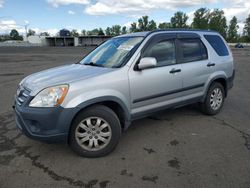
{"x": 89, "y": 104}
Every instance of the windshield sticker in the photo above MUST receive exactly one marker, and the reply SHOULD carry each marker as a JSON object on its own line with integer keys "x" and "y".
{"x": 125, "y": 47}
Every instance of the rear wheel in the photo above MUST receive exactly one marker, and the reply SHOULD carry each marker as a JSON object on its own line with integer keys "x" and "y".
{"x": 95, "y": 132}
{"x": 214, "y": 99}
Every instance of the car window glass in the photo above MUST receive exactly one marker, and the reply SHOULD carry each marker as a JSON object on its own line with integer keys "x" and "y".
{"x": 192, "y": 50}
{"x": 163, "y": 51}
{"x": 218, "y": 44}
{"x": 113, "y": 53}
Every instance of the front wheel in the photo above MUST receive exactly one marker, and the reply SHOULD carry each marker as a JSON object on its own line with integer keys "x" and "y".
{"x": 214, "y": 99}
{"x": 95, "y": 132}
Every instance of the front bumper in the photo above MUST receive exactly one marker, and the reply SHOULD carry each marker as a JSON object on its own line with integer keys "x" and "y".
{"x": 44, "y": 124}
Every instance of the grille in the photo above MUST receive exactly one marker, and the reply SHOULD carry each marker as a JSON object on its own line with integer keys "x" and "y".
{"x": 22, "y": 95}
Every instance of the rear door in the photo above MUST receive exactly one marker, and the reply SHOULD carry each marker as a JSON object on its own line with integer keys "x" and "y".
{"x": 196, "y": 67}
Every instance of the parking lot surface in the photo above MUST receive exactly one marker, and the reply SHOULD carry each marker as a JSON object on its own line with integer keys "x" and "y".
{"x": 178, "y": 148}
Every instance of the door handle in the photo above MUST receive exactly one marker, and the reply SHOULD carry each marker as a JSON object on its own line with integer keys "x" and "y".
{"x": 174, "y": 71}
{"x": 210, "y": 64}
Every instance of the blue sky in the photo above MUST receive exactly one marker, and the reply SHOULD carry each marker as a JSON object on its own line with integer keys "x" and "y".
{"x": 53, "y": 15}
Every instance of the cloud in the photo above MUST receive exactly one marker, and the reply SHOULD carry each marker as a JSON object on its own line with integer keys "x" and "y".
{"x": 71, "y": 12}
{"x": 8, "y": 22}
{"x": 1, "y": 3}
{"x": 26, "y": 22}
{"x": 7, "y": 25}
{"x": 128, "y": 24}
{"x": 103, "y": 7}
{"x": 132, "y": 8}
{"x": 190, "y": 17}
{"x": 57, "y": 3}
{"x": 240, "y": 9}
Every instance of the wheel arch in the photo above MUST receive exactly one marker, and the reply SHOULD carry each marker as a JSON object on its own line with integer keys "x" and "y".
{"x": 220, "y": 79}
{"x": 111, "y": 102}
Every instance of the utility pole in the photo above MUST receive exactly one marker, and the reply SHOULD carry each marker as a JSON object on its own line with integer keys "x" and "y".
{"x": 26, "y": 31}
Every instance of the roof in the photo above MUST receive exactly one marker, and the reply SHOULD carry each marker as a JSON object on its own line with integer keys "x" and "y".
{"x": 146, "y": 33}
{"x": 184, "y": 29}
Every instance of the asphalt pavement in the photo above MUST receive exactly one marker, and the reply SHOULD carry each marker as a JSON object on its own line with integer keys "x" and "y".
{"x": 177, "y": 148}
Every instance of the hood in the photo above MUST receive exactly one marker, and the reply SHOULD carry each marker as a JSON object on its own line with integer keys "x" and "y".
{"x": 62, "y": 75}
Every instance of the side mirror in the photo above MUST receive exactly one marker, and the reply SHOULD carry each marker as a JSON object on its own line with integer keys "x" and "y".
{"x": 147, "y": 62}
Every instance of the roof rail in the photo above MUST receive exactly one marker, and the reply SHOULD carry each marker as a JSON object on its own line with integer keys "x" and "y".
{"x": 180, "y": 29}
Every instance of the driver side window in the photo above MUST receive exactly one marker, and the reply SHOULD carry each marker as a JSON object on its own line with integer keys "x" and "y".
{"x": 163, "y": 52}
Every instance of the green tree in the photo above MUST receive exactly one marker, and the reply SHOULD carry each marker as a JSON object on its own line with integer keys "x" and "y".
{"x": 46, "y": 34}
{"x": 74, "y": 33}
{"x": 116, "y": 30}
{"x": 100, "y": 32}
{"x": 164, "y": 25}
{"x": 93, "y": 32}
{"x": 133, "y": 27}
{"x": 108, "y": 31}
{"x": 4, "y": 37}
{"x": 201, "y": 19}
{"x": 218, "y": 22}
{"x": 246, "y": 31}
{"x": 179, "y": 20}
{"x": 232, "y": 34}
{"x": 151, "y": 26}
{"x": 84, "y": 32}
{"x": 124, "y": 30}
{"x": 31, "y": 33}
{"x": 145, "y": 25}
{"x": 14, "y": 35}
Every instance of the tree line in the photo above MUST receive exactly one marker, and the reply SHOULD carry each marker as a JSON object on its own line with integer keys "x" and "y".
{"x": 14, "y": 35}
{"x": 203, "y": 19}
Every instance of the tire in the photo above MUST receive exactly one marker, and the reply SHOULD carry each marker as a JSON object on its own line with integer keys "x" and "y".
{"x": 95, "y": 132}
{"x": 209, "y": 106}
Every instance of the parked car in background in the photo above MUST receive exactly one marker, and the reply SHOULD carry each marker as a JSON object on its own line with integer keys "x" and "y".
{"x": 239, "y": 45}
{"x": 131, "y": 76}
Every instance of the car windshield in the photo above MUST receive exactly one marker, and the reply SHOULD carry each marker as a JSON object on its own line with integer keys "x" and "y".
{"x": 112, "y": 53}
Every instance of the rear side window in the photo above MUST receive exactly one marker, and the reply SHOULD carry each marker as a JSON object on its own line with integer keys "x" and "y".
{"x": 218, "y": 44}
{"x": 192, "y": 50}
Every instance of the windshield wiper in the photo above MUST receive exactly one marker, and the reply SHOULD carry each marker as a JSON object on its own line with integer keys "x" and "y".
{"x": 93, "y": 64}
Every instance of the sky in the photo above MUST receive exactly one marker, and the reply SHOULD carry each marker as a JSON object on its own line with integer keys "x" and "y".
{"x": 53, "y": 15}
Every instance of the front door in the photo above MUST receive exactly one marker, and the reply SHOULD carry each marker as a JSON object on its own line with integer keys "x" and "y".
{"x": 157, "y": 87}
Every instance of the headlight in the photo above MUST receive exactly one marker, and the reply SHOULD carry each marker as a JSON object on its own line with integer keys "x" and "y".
{"x": 50, "y": 97}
